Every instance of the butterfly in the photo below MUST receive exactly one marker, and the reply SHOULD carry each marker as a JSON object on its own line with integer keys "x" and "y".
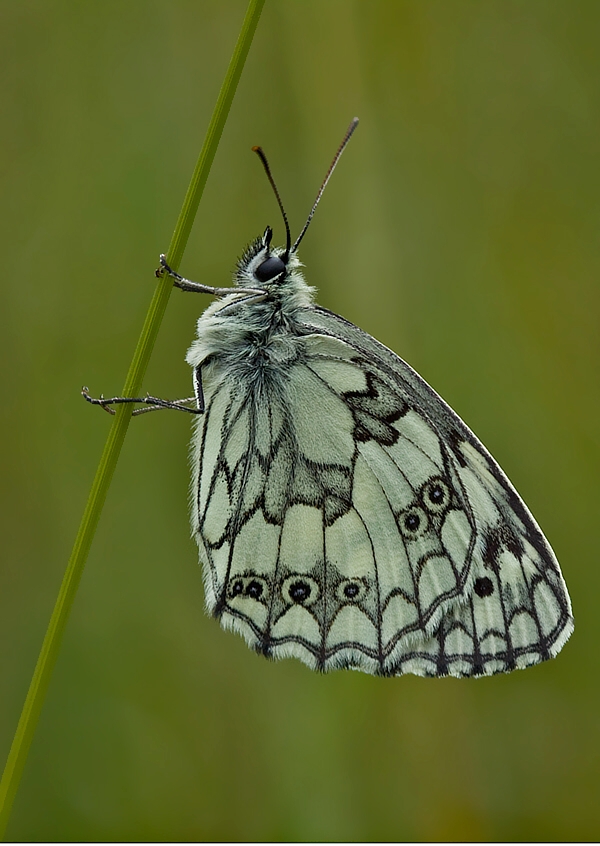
{"x": 344, "y": 513}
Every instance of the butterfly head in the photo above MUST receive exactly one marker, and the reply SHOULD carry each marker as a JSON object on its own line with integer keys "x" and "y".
{"x": 264, "y": 266}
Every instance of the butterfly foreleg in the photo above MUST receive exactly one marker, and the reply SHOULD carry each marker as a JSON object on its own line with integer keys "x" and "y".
{"x": 198, "y": 287}
{"x": 149, "y": 403}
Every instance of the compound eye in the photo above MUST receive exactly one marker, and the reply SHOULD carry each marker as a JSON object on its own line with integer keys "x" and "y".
{"x": 269, "y": 269}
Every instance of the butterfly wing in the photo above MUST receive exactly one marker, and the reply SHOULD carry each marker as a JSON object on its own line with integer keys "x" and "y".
{"x": 349, "y": 518}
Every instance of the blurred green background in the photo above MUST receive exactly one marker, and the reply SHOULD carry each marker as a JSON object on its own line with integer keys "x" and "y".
{"x": 462, "y": 229}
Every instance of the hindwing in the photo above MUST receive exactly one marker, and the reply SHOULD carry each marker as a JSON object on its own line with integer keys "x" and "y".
{"x": 348, "y": 517}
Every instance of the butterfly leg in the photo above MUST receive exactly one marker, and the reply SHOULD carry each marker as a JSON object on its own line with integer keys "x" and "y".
{"x": 150, "y": 403}
{"x": 197, "y": 287}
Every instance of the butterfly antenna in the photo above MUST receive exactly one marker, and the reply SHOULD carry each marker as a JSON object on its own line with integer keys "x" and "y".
{"x": 336, "y": 159}
{"x": 288, "y": 238}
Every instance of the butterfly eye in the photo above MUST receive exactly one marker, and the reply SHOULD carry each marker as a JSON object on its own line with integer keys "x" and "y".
{"x": 269, "y": 269}
{"x": 300, "y": 590}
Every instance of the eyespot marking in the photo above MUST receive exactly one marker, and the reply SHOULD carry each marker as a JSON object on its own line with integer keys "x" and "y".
{"x": 413, "y": 522}
{"x": 351, "y": 590}
{"x": 236, "y": 587}
{"x": 300, "y": 590}
{"x": 251, "y": 587}
{"x": 254, "y": 589}
{"x": 436, "y": 495}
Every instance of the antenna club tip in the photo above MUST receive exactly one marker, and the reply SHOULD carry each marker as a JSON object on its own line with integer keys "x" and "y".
{"x": 256, "y": 148}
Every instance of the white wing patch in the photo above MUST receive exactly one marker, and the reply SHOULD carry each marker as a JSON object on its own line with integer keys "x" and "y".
{"x": 348, "y": 518}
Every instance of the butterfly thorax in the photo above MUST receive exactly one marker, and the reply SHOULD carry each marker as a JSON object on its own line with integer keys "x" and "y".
{"x": 240, "y": 334}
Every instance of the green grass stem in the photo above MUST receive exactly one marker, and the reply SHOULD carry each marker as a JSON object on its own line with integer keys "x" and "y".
{"x": 50, "y": 647}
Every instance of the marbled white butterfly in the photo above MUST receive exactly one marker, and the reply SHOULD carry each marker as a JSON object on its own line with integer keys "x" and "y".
{"x": 345, "y": 514}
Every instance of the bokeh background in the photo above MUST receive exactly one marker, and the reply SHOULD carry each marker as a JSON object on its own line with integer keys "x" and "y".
{"x": 462, "y": 229}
